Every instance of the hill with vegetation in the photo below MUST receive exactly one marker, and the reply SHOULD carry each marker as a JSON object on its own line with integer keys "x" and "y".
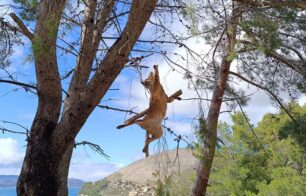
{"x": 144, "y": 176}
{"x": 11, "y": 180}
{"x": 266, "y": 159}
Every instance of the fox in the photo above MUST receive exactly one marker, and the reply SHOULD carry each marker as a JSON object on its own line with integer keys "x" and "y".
{"x": 156, "y": 112}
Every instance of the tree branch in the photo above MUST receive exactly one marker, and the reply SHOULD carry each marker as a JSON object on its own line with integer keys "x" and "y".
{"x": 94, "y": 147}
{"x": 117, "y": 55}
{"x": 101, "y": 22}
{"x": 301, "y": 69}
{"x": 11, "y": 131}
{"x": 296, "y": 52}
{"x": 302, "y": 6}
{"x": 298, "y": 68}
{"x": 18, "y": 83}
{"x": 273, "y": 4}
{"x": 268, "y": 91}
{"x": 86, "y": 54}
{"x": 22, "y": 27}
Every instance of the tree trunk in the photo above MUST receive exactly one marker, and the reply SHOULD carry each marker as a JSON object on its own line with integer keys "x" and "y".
{"x": 39, "y": 174}
{"x": 45, "y": 170}
{"x": 50, "y": 144}
{"x": 209, "y": 133}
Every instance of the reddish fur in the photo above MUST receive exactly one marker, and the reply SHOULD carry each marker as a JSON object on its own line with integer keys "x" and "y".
{"x": 156, "y": 112}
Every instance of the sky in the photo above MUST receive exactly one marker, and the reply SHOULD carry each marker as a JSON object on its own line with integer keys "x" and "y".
{"x": 123, "y": 146}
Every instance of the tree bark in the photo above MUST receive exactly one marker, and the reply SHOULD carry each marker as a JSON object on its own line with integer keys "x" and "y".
{"x": 209, "y": 133}
{"x": 274, "y": 3}
{"x": 49, "y": 150}
{"x": 38, "y": 175}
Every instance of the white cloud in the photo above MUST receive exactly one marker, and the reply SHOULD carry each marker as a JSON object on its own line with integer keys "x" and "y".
{"x": 183, "y": 128}
{"x": 133, "y": 95}
{"x": 90, "y": 171}
{"x": 302, "y": 100}
{"x": 11, "y": 159}
{"x": 5, "y": 9}
{"x": 10, "y": 153}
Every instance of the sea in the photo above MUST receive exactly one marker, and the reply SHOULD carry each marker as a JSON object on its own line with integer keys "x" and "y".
{"x": 11, "y": 191}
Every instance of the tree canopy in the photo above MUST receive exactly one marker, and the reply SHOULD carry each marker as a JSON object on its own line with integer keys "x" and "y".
{"x": 271, "y": 165}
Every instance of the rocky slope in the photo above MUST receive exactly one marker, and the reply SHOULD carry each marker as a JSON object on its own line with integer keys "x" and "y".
{"x": 141, "y": 177}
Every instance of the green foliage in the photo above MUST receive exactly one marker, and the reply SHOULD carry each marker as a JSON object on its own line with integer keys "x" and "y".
{"x": 285, "y": 182}
{"x": 297, "y": 130}
{"x": 266, "y": 36}
{"x": 38, "y": 46}
{"x": 52, "y": 26}
{"x": 29, "y": 9}
{"x": 176, "y": 184}
{"x": 162, "y": 188}
{"x": 301, "y": 85}
{"x": 242, "y": 167}
{"x": 93, "y": 188}
{"x": 187, "y": 12}
{"x": 231, "y": 56}
{"x": 262, "y": 31}
{"x": 201, "y": 129}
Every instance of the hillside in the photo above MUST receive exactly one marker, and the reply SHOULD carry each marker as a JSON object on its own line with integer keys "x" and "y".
{"x": 8, "y": 180}
{"x": 11, "y": 180}
{"x": 141, "y": 177}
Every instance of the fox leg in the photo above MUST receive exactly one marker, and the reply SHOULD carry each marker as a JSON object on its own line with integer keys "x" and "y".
{"x": 175, "y": 96}
{"x": 151, "y": 139}
{"x": 146, "y": 147}
{"x": 133, "y": 119}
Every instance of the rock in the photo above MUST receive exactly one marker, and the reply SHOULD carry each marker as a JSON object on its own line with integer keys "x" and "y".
{"x": 146, "y": 189}
{"x": 133, "y": 193}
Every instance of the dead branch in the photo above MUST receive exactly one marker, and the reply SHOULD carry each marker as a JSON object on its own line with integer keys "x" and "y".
{"x": 11, "y": 131}
{"x": 94, "y": 147}
{"x": 18, "y": 84}
{"x": 22, "y": 27}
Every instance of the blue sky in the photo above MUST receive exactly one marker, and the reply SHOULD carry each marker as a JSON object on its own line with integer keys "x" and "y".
{"x": 124, "y": 146}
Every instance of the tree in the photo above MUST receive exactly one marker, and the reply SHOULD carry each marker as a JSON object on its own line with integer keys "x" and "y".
{"x": 266, "y": 42}
{"x": 244, "y": 166}
{"x": 56, "y": 123}
{"x": 8, "y": 38}
{"x": 5, "y": 45}
{"x": 295, "y": 130}
{"x": 210, "y": 131}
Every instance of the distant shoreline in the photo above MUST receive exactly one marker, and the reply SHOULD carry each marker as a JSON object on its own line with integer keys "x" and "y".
{"x": 10, "y": 181}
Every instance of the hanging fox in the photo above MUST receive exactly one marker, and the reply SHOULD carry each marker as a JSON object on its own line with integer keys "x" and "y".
{"x": 155, "y": 114}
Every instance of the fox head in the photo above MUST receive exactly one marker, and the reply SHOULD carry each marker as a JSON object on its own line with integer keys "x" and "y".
{"x": 149, "y": 82}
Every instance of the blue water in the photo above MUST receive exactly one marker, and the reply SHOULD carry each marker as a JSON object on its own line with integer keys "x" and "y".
{"x": 11, "y": 191}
